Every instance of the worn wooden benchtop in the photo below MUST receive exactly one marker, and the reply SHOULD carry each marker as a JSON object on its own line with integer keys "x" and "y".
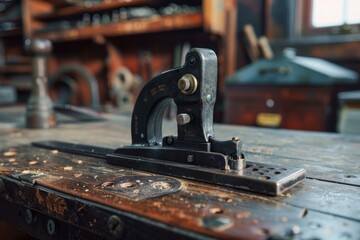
{"x": 84, "y": 196}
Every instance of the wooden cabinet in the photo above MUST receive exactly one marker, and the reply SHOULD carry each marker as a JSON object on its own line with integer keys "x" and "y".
{"x": 290, "y": 107}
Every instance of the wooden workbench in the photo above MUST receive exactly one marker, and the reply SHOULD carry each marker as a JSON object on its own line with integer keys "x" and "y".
{"x": 55, "y": 195}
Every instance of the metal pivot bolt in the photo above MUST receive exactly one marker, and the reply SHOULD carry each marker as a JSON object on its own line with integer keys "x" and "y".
{"x": 39, "y": 109}
{"x": 183, "y": 118}
{"x": 188, "y": 84}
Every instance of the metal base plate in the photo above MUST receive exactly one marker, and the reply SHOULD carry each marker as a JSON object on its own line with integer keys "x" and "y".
{"x": 256, "y": 177}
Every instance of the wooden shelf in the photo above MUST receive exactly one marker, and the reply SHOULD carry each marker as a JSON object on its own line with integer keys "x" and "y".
{"x": 15, "y": 69}
{"x": 77, "y": 10}
{"x": 130, "y": 27}
{"x": 56, "y": 2}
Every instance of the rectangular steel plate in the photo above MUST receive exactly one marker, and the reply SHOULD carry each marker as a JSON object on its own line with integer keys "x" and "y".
{"x": 256, "y": 177}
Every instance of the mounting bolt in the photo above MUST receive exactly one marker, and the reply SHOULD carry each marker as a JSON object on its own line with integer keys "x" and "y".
{"x": 116, "y": 226}
{"x": 188, "y": 84}
{"x": 28, "y": 216}
{"x": 190, "y": 158}
{"x": 183, "y": 118}
{"x": 51, "y": 227}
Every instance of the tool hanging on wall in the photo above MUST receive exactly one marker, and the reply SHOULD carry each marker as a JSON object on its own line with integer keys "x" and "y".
{"x": 195, "y": 153}
{"x": 256, "y": 48}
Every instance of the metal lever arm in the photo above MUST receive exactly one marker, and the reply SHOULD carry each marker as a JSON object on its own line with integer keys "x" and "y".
{"x": 193, "y": 88}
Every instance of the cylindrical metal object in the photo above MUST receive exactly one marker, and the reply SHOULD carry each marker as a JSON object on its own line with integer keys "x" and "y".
{"x": 183, "y": 118}
{"x": 39, "y": 109}
{"x": 188, "y": 84}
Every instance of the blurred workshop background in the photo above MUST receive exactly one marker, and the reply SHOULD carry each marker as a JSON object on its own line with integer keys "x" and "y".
{"x": 290, "y": 64}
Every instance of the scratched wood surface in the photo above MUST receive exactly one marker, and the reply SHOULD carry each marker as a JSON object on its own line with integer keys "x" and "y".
{"x": 83, "y": 192}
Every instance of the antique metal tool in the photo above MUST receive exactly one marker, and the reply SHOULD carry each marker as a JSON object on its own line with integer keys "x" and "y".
{"x": 194, "y": 153}
{"x": 39, "y": 109}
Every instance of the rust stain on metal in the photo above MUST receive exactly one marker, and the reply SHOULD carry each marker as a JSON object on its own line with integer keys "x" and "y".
{"x": 56, "y": 204}
{"x": 39, "y": 198}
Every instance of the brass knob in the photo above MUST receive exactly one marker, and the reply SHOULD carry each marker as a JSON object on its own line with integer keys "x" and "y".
{"x": 188, "y": 84}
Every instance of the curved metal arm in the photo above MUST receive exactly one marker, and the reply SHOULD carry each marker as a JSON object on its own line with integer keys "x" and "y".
{"x": 85, "y": 74}
{"x": 195, "y": 102}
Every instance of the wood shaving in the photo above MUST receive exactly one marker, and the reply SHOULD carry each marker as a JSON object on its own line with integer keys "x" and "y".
{"x": 77, "y": 174}
{"x": 9, "y": 154}
{"x": 33, "y": 162}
